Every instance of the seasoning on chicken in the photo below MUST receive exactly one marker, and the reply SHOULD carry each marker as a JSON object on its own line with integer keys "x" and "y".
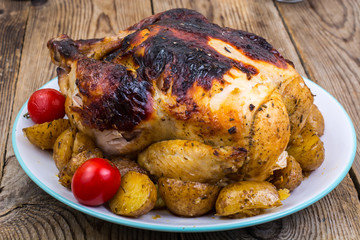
{"x": 175, "y": 75}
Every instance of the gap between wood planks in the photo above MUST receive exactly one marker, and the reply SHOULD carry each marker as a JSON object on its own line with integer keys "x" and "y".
{"x": 293, "y": 42}
{"x": 152, "y": 7}
{"x": 355, "y": 181}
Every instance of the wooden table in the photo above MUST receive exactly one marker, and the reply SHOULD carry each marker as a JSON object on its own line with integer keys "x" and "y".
{"x": 322, "y": 38}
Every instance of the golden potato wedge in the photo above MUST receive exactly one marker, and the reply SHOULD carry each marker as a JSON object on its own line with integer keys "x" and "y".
{"x": 63, "y": 146}
{"x": 67, "y": 172}
{"x": 191, "y": 160}
{"x": 298, "y": 99}
{"x": 316, "y": 120}
{"x": 126, "y": 165}
{"x": 44, "y": 135}
{"x": 307, "y": 149}
{"x": 188, "y": 199}
{"x": 82, "y": 143}
{"x": 289, "y": 177}
{"x": 136, "y": 196}
{"x": 246, "y": 198}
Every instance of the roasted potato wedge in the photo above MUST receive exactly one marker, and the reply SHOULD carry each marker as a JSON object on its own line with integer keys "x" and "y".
{"x": 67, "y": 172}
{"x": 246, "y": 198}
{"x": 289, "y": 177}
{"x": 126, "y": 165}
{"x": 188, "y": 199}
{"x": 191, "y": 160}
{"x": 136, "y": 196}
{"x": 82, "y": 143}
{"x": 298, "y": 99}
{"x": 307, "y": 149}
{"x": 44, "y": 135}
{"x": 63, "y": 147}
{"x": 316, "y": 120}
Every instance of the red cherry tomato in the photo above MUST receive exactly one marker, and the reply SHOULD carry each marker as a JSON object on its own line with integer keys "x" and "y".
{"x": 46, "y": 105}
{"x": 95, "y": 182}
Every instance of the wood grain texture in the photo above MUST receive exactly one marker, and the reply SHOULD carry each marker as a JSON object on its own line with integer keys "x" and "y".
{"x": 13, "y": 17}
{"x": 27, "y": 212}
{"x": 33, "y": 214}
{"x": 328, "y": 41}
{"x": 254, "y": 16}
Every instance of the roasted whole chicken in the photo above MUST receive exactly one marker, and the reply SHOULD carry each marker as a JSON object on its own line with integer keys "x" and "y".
{"x": 193, "y": 88}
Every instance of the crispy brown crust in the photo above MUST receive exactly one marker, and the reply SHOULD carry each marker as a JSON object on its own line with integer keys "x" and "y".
{"x": 189, "y": 21}
{"x": 173, "y": 46}
{"x": 170, "y": 49}
{"x": 113, "y": 98}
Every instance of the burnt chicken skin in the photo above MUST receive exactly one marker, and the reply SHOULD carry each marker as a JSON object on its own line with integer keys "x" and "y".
{"x": 175, "y": 75}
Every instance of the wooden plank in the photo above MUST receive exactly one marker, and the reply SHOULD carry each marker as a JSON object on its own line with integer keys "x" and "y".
{"x": 338, "y": 208}
{"x": 251, "y": 16}
{"x": 26, "y": 211}
{"x": 328, "y": 41}
{"x": 13, "y": 17}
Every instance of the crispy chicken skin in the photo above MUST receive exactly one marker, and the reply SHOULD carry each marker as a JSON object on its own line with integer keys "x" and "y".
{"x": 175, "y": 75}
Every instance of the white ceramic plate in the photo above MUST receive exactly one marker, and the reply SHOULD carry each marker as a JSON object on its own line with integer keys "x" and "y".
{"x": 340, "y": 145}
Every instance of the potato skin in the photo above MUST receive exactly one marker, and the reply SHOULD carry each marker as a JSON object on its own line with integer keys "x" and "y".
{"x": 307, "y": 149}
{"x": 191, "y": 160}
{"x": 298, "y": 99}
{"x": 136, "y": 196}
{"x": 44, "y": 135}
{"x": 63, "y": 146}
{"x": 187, "y": 199}
{"x": 242, "y": 199}
{"x": 289, "y": 177}
{"x": 67, "y": 172}
{"x": 316, "y": 120}
{"x": 82, "y": 143}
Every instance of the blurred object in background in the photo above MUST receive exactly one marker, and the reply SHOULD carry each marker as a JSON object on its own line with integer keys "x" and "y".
{"x": 289, "y": 1}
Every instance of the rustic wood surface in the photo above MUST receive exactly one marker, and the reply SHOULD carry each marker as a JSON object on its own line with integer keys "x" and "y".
{"x": 321, "y": 37}
{"x": 330, "y": 52}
